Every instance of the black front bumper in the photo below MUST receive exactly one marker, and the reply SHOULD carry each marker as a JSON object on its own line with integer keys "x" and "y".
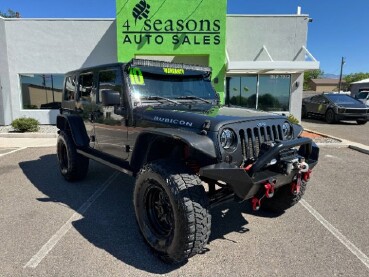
{"x": 342, "y": 116}
{"x": 247, "y": 183}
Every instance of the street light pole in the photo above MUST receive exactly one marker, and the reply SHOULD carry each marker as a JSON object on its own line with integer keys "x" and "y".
{"x": 340, "y": 82}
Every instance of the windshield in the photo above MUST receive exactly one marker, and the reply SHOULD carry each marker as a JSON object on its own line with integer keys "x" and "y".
{"x": 341, "y": 99}
{"x": 150, "y": 84}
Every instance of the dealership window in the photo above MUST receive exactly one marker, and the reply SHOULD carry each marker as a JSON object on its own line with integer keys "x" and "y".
{"x": 41, "y": 91}
{"x": 269, "y": 92}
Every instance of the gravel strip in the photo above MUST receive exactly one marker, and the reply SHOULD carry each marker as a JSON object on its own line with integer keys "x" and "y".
{"x": 44, "y": 129}
{"x": 326, "y": 140}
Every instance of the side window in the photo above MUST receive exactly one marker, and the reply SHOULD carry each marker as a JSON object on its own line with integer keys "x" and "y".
{"x": 109, "y": 80}
{"x": 321, "y": 100}
{"x": 70, "y": 88}
{"x": 85, "y": 84}
{"x": 317, "y": 99}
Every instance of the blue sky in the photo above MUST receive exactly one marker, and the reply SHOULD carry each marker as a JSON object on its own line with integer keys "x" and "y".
{"x": 339, "y": 27}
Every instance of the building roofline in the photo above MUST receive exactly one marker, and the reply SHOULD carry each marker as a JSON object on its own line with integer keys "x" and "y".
{"x": 267, "y": 15}
{"x": 58, "y": 19}
{"x": 111, "y": 19}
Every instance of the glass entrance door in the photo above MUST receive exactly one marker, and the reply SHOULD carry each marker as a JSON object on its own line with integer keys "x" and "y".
{"x": 267, "y": 92}
{"x": 241, "y": 91}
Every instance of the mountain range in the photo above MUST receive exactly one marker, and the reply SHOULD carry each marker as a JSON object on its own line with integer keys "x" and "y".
{"x": 331, "y": 76}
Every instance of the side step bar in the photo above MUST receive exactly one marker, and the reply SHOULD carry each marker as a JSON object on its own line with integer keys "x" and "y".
{"x": 113, "y": 162}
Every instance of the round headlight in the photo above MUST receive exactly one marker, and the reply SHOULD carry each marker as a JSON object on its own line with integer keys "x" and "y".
{"x": 228, "y": 138}
{"x": 286, "y": 130}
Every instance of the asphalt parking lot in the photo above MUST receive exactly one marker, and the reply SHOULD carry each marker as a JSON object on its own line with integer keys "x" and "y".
{"x": 349, "y": 130}
{"x": 54, "y": 228}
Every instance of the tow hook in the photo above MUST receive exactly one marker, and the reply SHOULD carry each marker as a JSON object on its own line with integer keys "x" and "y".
{"x": 296, "y": 185}
{"x": 269, "y": 193}
{"x": 269, "y": 189}
{"x": 306, "y": 175}
{"x": 255, "y": 202}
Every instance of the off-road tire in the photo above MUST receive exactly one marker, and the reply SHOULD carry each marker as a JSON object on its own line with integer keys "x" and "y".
{"x": 361, "y": 121}
{"x": 184, "y": 229}
{"x": 330, "y": 116}
{"x": 73, "y": 166}
{"x": 283, "y": 198}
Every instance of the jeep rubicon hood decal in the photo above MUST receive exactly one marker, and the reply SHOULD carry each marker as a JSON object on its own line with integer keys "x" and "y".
{"x": 173, "y": 121}
{"x": 196, "y": 116}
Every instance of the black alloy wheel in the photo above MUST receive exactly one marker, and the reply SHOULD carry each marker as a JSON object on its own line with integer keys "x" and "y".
{"x": 330, "y": 116}
{"x": 159, "y": 211}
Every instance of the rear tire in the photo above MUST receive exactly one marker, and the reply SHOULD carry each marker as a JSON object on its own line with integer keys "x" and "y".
{"x": 283, "y": 198}
{"x": 172, "y": 211}
{"x": 73, "y": 166}
{"x": 330, "y": 116}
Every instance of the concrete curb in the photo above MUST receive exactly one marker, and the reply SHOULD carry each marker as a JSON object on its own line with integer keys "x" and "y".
{"x": 343, "y": 143}
{"x": 27, "y": 140}
{"x": 353, "y": 147}
{"x": 323, "y": 135}
{"x": 28, "y": 135}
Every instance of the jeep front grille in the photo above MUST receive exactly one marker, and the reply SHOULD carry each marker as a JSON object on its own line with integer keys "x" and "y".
{"x": 252, "y": 138}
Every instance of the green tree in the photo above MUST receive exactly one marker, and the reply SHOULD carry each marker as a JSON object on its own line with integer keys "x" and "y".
{"x": 9, "y": 14}
{"x": 312, "y": 74}
{"x": 354, "y": 77}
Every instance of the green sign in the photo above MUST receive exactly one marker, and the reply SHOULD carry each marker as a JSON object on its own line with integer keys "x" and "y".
{"x": 191, "y": 29}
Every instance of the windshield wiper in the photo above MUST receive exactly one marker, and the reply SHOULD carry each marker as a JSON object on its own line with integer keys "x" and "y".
{"x": 159, "y": 98}
{"x": 193, "y": 97}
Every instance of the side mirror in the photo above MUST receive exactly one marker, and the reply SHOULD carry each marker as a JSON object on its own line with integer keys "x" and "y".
{"x": 110, "y": 97}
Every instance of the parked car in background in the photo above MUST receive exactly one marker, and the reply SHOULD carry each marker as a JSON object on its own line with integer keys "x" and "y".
{"x": 334, "y": 107}
{"x": 363, "y": 96}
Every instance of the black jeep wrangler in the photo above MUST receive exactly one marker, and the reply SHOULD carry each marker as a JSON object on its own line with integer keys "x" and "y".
{"x": 163, "y": 124}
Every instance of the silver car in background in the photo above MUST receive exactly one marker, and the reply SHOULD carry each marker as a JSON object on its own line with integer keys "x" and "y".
{"x": 363, "y": 96}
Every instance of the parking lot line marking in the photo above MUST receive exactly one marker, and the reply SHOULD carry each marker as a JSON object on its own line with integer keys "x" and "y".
{"x": 13, "y": 151}
{"x": 348, "y": 244}
{"x": 48, "y": 246}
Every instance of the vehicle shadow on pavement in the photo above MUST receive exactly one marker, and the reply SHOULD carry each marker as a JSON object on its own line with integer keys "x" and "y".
{"x": 110, "y": 222}
{"x": 231, "y": 217}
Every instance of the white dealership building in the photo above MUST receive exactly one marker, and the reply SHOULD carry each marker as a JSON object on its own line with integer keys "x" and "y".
{"x": 265, "y": 55}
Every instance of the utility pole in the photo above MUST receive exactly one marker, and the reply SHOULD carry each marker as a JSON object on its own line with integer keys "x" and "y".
{"x": 343, "y": 61}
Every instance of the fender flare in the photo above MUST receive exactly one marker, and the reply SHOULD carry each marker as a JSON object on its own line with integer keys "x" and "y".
{"x": 143, "y": 144}
{"x": 75, "y": 125}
